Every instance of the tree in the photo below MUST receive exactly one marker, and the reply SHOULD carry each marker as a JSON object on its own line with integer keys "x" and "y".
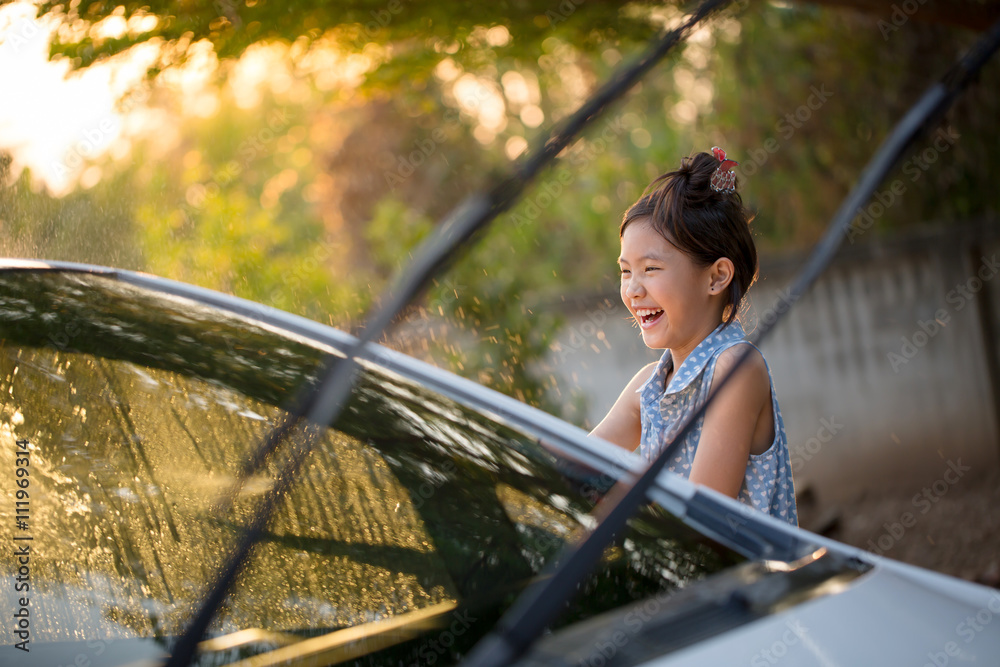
{"x": 449, "y": 94}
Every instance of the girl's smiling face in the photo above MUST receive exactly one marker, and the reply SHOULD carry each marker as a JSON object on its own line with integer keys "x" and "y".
{"x": 673, "y": 300}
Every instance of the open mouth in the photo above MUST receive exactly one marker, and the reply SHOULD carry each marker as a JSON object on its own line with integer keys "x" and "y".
{"x": 648, "y": 316}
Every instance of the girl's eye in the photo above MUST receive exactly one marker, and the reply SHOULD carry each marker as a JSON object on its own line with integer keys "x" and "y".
{"x": 652, "y": 268}
{"x": 624, "y": 271}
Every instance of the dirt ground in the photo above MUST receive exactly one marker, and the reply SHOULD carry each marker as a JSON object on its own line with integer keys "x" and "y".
{"x": 956, "y": 532}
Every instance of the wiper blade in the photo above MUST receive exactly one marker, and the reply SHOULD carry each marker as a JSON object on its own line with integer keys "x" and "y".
{"x": 706, "y": 609}
{"x": 246, "y": 637}
{"x": 355, "y": 642}
{"x": 321, "y": 403}
{"x": 540, "y": 604}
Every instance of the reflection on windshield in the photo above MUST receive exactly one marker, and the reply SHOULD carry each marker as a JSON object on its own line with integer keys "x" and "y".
{"x": 126, "y": 463}
{"x": 139, "y": 421}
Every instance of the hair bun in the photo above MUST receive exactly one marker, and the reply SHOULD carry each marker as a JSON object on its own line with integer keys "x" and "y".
{"x": 723, "y": 179}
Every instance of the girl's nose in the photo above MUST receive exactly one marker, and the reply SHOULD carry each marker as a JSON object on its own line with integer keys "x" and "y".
{"x": 633, "y": 287}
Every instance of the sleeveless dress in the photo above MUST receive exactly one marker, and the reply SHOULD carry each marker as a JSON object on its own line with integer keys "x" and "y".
{"x": 767, "y": 485}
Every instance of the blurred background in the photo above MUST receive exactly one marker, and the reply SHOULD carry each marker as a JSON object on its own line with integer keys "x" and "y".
{"x": 295, "y": 153}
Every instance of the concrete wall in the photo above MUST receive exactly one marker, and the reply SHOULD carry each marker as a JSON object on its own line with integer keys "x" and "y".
{"x": 883, "y": 371}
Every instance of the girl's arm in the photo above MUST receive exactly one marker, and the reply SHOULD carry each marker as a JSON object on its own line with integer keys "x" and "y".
{"x": 621, "y": 425}
{"x": 737, "y": 422}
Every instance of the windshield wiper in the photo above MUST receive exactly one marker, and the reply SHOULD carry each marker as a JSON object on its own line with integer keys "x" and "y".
{"x": 337, "y": 646}
{"x": 723, "y": 602}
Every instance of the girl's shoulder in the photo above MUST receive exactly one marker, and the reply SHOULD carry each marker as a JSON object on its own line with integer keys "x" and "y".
{"x": 730, "y": 355}
{"x": 752, "y": 374}
{"x": 642, "y": 376}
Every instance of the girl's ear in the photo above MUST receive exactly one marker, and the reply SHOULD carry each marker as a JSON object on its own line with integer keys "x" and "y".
{"x": 720, "y": 275}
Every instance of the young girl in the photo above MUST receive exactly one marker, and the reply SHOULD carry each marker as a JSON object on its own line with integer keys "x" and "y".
{"x": 687, "y": 260}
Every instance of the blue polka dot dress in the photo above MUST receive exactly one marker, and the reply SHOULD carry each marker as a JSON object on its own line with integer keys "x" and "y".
{"x": 768, "y": 483}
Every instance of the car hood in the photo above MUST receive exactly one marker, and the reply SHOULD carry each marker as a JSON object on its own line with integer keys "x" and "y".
{"x": 892, "y": 615}
{"x": 885, "y": 617}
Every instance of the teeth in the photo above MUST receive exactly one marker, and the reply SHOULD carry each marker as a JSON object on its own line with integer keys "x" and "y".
{"x": 646, "y": 312}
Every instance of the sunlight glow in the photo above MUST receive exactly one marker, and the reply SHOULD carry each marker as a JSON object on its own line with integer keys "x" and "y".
{"x": 116, "y": 25}
{"x": 194, "y": 79}
{"x": 249, "y": 76}
{"x": 515, "y": 146}
{"x": 481, "y": 99}
{"x": 684, "y": 112}
{"x": 532, "y": 116}
{"x": 332, "y": 67}
{"x": 515, "y": 88}
{"x": 55, "y": 121}
{"x": 498, "y": 35}
{"x": 447, "y": 70}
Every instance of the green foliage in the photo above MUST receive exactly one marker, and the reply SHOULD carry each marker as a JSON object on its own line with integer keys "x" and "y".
{"x": 805, "y": 148}
{"x": 313, "y": 204}
{"x": 394, "y": 231}
{"x": 418, "y": 32}
{"x": 230, "y": 212}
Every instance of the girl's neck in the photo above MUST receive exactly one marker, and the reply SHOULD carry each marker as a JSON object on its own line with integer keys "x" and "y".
{"x": 680, "y": 353}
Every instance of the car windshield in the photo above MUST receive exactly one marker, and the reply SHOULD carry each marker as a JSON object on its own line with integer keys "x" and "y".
{"x": 410, "y": 528}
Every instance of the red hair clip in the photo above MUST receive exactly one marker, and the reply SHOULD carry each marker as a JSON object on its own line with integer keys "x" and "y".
{"x": 723, "y": 180}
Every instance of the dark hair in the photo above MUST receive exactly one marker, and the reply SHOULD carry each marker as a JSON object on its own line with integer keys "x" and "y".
{"x": 700, "y": 222}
